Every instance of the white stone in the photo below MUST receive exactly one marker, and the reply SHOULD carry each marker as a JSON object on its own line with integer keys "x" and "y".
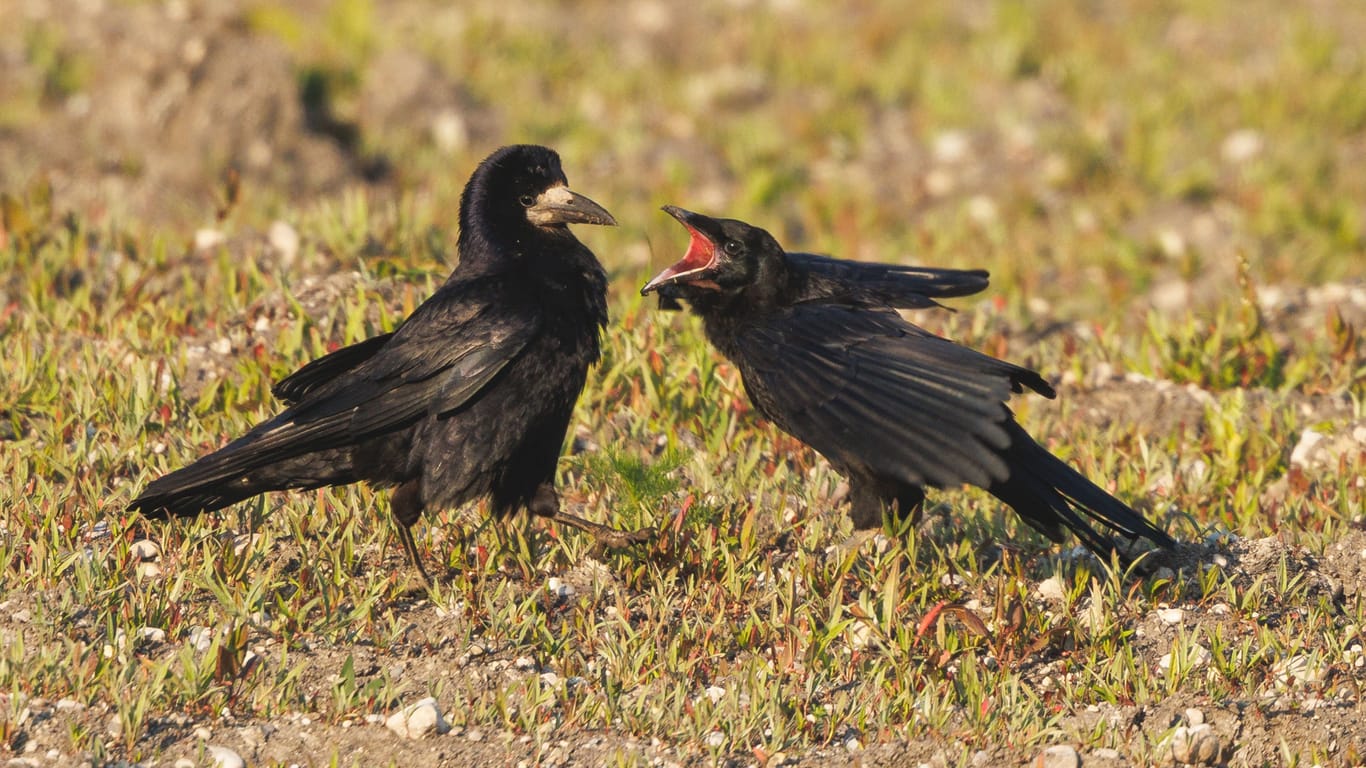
{"x": 1058, "y": 756}
{"x": 982, "y": 210}
{"x": 1172, "y": 243}
{"x": 1304, "y": 449}
{"x": 144, "y": 550}
{"x": 1241, "y": 145}
{"x": 1299, "y": 670}
{"x": 861, "y": 636}
{"x": 558, "y": 588}
{"x": 284, "y": 240}
{"x": 951, "y": 146}
{"x": 418, "y": 720}
{"x": 222, "y": 757}
{"x": 1197, "y": 657}
{"x": 449, "y": 131}
{"x": 1051, "y": 589}
{"x": 715, "y": 693}
{"x": 205, "y": 239}
{"x": 1195, "y": 745}
{"x": 1171, "y": 615}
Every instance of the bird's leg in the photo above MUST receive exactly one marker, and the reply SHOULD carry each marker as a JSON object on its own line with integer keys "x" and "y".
{"x": 406, "y": 505}
{"x": 546, "y": 503}
{"x": 910, "y": 503}
{"x": 871, "y": 505}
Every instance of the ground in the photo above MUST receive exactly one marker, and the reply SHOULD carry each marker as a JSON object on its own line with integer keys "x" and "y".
{"x": 200, "y": 197}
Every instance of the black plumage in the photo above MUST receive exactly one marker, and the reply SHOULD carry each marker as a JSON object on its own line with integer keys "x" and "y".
{"x": 469, "y": 397}
{"x": 826, "y": 357}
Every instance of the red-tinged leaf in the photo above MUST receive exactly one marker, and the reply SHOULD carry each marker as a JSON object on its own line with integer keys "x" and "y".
{"x": 929, "y": 619}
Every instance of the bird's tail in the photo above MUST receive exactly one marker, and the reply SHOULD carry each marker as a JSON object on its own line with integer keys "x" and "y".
{"x": 1051, "y": 496}
{"x": 219, "y": 480}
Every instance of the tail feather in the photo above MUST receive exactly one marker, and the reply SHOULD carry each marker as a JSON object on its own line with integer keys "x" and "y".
{"x": 202, "y": 487}
{"x": 1050, "y": 496}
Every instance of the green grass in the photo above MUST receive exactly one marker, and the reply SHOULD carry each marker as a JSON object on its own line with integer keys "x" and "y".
{"x": 745, "y": 630}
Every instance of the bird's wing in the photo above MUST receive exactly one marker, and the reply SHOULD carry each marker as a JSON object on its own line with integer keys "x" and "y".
{"x": 451, "y": 348}
{"x": 887, "y": 285}
{"x": 297, "y": 385}
{"x": 867, "y": 388}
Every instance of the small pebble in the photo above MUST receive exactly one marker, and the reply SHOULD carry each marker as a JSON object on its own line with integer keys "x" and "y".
{"x": 1240, "y": 146}
{"x": 1058, "y": 756}
{"x": 205, "y": 239}
{"x": 1171, "y": 615}
{"x": 1051, "y": 589}
{"x": 284, "y": 240}
{"x": 222, "y": 757}
{"x": 1195, "y": 745}
{"x": 418, "y": 720}
{"x": 144, "y": 550}
{"x": 1299, "y": 670}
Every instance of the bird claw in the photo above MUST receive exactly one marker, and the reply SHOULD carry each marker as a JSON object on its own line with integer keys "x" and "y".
{"x": 607, "y": 536}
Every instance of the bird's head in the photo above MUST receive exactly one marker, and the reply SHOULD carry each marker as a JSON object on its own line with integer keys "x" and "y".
{"x": 524, "y": 184}
{"x": 724, "y": 256}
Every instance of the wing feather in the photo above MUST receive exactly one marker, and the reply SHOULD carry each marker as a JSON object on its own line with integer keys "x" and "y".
{"x": 866, "y": 388}
{"x": 431, "y": 367}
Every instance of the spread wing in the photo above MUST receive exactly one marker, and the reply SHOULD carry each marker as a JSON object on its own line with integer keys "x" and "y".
{"x": 866, "y": 388}
{"x": 882, "y": 285}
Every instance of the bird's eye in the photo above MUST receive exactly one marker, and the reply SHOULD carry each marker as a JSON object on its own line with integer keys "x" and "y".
{"x": 732, "y": 247}
{"x": 527, "y": 201}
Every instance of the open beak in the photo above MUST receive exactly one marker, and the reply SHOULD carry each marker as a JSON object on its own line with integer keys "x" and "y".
{"x": 558, "y": 205}
{"x": 700, "y": 258}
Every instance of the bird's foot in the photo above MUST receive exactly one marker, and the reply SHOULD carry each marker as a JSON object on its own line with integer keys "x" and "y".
{"x": 850, "y": 547}
{"x": 606, "y": 536}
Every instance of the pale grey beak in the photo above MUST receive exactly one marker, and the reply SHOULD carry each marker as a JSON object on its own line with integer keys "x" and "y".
{"x": 559, "y": 205}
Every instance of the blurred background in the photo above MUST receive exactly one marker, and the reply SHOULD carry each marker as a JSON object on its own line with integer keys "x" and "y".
{"x": 1116, "y": 153}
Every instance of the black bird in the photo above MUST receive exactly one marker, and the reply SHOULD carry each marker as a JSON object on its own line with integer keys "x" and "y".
{"x": 826, "y": 357}
{"x": 469, "y": 397}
